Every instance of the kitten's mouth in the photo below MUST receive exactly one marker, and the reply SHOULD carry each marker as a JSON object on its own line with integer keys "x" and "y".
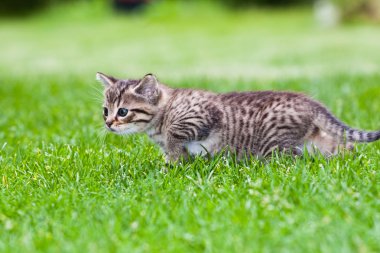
{"x": 111, "y": 129}
{"x": 121, "y": 130}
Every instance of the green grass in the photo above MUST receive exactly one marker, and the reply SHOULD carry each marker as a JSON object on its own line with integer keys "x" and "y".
{"x": 68, "y": 186}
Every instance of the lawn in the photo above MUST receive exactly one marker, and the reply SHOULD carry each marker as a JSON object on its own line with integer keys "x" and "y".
{"x": 67, "y": 185}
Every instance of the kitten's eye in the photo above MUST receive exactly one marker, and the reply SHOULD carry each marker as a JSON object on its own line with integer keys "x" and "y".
{"x": 122, "y": 112}
{"x": 105, "y": 111}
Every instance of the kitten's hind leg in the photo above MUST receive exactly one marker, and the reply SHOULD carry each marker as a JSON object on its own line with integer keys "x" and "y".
{"x": 175, "y": 150}
{"x": 327, "y": 144}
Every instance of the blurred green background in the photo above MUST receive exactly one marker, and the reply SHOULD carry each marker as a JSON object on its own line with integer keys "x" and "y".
{"x": 177, "y": 39}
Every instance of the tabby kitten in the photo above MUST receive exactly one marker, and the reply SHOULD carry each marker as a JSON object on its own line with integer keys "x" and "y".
{"x": 187, "y": 122}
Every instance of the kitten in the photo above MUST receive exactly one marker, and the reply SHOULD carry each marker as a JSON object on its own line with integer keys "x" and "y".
{"x": 187, "y": 122}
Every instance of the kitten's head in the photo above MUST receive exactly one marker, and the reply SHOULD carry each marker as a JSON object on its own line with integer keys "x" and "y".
{"x": 129, "y": 105}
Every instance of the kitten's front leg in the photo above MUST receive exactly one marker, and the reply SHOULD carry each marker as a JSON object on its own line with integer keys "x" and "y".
{"x": 175, "y": 150}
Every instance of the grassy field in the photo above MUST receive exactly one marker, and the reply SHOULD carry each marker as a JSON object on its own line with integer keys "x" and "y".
{"x": 68, "y": 186}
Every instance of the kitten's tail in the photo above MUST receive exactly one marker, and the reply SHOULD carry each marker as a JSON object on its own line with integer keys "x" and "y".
{"x": 324, "y": 120}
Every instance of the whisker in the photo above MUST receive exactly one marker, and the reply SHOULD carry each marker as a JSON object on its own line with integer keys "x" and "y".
{"x": 101, "y": 135}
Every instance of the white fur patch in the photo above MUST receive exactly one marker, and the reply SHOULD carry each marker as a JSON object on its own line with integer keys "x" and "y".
{"x": 202, "y": 147}
{"x": 195, "y": 148}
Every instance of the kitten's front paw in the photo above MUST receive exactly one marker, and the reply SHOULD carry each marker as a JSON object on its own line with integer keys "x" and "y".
{"x": 169, "y": 164}
{"x": 172, "y": 160}
{"x": 164, "y": 169}
{"x": 167, "y": 159}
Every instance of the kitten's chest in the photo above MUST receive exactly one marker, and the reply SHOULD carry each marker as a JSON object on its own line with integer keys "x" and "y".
{"x": 157, "y": 138}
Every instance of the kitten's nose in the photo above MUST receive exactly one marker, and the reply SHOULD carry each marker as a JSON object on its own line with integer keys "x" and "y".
{"x": 109, "y": 123}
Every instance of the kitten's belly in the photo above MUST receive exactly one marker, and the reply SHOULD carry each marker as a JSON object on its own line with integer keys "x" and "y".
{"x": 196, "y": 148}
{"x": 203, "y": 147}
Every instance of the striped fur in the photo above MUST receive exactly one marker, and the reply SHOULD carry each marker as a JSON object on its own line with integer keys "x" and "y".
{"x": 187, "y": 122}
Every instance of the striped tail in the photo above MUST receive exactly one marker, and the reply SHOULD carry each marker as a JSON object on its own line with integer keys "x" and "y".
{"x": 331, "y": 125}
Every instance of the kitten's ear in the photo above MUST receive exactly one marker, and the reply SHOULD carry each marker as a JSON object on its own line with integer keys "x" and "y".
{"x": 106, "y": 80}
{"x": 148, "y": 87}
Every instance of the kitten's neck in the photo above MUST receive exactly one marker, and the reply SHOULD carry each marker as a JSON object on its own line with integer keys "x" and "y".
{"x": 166, "y": 93}
{"x": 165, "y": 96}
